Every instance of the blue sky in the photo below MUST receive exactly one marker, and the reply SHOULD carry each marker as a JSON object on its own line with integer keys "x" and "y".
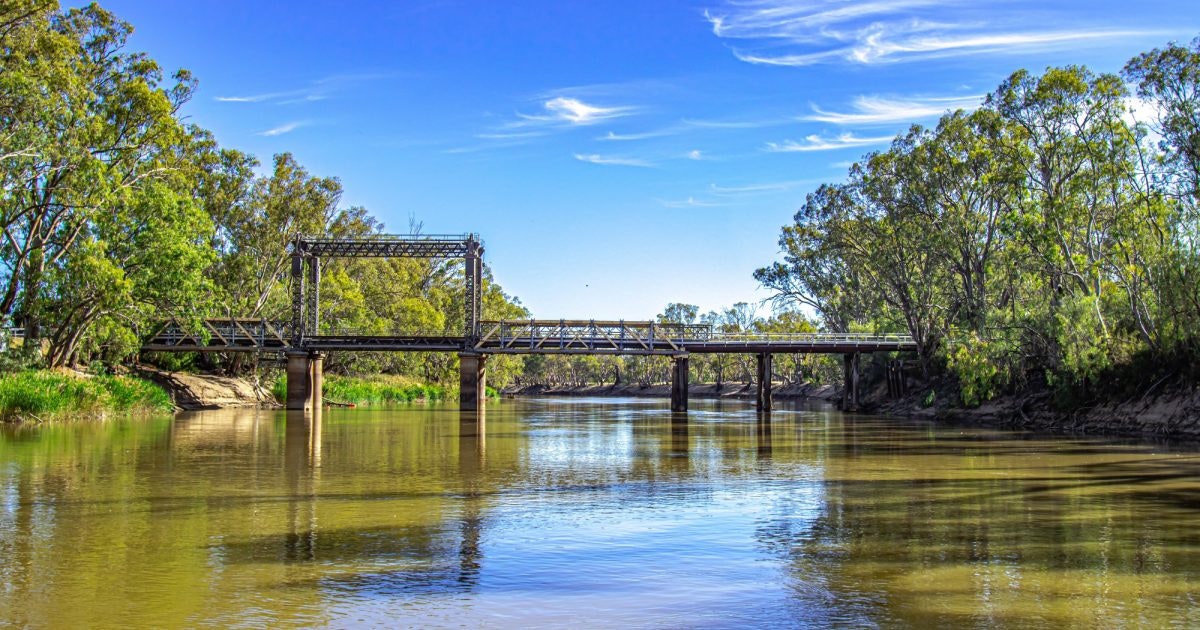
{"x": 614, "y": 155}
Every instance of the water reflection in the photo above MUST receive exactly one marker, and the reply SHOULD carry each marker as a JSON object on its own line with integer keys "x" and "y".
{"x": 559, "y": 513}
{"x": 472, "y": 451}
{"x": 302, "y": 460}
{"x": 762, "y": 435}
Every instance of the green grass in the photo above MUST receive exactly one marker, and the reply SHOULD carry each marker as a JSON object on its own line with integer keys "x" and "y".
{"x": 45, "y": 394}
{"x": 369, "y": 390}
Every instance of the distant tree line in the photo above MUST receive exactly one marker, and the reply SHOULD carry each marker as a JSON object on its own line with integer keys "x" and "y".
{"x": 717, "y": 369}
{"x": 116, "y": 214}
{"x": 1048, "y": 238}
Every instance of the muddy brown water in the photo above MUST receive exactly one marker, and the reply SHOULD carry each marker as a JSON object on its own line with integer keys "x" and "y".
{"x": 590, "y": 513}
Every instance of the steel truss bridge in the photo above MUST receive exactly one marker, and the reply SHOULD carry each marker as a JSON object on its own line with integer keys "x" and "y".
{"x": 526, "y": 336}
{"x": 303, "y": 339}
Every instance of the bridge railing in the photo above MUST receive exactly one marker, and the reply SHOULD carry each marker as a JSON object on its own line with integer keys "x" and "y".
{"x": 590, "y": 335}
{"x": 814, "y": 337}
{"x": 343, "y": 331}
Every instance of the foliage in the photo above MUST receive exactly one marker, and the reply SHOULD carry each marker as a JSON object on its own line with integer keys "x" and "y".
{"x": 981, "y": 375}
{"x": 117, "y": 215}
{"x": 1042, "y": 234}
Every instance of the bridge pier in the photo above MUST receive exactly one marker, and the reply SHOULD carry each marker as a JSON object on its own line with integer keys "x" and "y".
{"x": 679, "y": 383}
{"x": 850, "y": 396}
{"x": 897, "y": 388}
{"x": 305, "y": 380}
{"x": 762, "y": 401}
{"x": 472, "y": 380}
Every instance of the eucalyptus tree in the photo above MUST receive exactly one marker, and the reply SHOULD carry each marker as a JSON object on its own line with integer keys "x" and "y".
{"x": 889, "y": 234}
{"x": 969, "y": 192}
{"x": 816, "y": 272}
{"x": 94, "y": 124}
{"x": 1069, "y": 139}
{"x": 1169, "y": 80}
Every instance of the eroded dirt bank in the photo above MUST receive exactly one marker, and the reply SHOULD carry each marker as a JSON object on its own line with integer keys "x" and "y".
{"x": 209, "y": 391}
{"x": 1173, "y": 412}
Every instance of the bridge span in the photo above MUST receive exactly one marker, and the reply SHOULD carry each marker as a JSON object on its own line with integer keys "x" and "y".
{"x": 304, "y": 341}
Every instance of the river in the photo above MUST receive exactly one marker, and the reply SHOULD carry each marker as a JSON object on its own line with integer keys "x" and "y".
{"x": 590, "y": 513}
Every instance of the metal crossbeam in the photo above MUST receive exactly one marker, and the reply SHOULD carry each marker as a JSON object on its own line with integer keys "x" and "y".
{"x": 388, "y": 246}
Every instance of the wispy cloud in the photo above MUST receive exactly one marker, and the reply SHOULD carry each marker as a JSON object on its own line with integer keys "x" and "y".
{"x": 284, "y": 128}
{"x": 819, "y": 143}
{"x": 696, "y": 154}
{"x": 788, "y": 33}
{"x": 568, "y": 111}
{"x": 512, "y": 135}
{"x": 881, "y": 110}
{"x": 284, "y": 97}
{"x": 759, "y": 188}
{"x": 612, "y": 160}
{"x": 690, "y": 202}
{"x": 645, "y": 135}
{"x": 317, "y": 90}
{"x": 737, "y": 124}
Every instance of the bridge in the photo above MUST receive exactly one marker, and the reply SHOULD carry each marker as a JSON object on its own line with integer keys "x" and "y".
{"x": 304, "y": 344}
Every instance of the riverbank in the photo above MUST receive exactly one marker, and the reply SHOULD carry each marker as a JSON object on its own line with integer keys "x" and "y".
{"x": 192, "y": 391}
{"x": 1171, "y": 412}
{"x": 39, "y": 395}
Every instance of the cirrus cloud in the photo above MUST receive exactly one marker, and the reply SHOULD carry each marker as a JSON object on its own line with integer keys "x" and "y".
{"x": 612, "y": 160}
{"x": 789, "y": 33}
{"x": 815, "y": 142}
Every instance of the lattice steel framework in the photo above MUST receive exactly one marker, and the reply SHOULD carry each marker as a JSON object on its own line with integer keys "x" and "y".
{"x": 307, "y": 252}
{"x": 388, "y": 246}
{"x": 221, "y": 335}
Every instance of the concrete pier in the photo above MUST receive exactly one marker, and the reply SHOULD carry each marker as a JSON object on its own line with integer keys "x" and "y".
{"x": 679, "y": 383}
{"x": 305, "y": 376}
{"x": 762, "y": 401}
{"x": 472, "y": 381}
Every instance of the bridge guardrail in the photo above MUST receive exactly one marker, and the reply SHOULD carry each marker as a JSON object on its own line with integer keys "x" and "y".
{"x": 816, "y": 337}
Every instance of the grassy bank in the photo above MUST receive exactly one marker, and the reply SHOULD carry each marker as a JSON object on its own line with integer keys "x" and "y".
{"x": 46, "y": 394}
{"x": 376, "y": 389}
